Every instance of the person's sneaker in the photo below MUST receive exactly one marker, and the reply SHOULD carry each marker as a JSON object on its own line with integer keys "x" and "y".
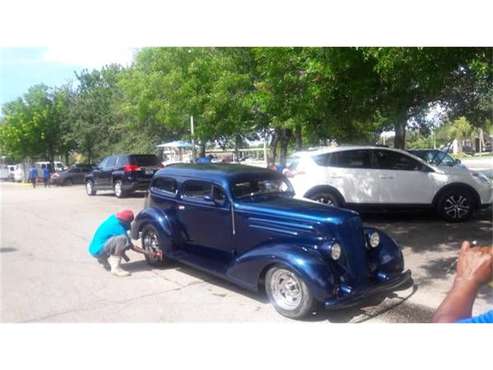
{"x": 116, "y": 270}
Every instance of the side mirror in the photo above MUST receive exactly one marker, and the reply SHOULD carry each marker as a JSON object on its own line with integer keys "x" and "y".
{"x": 209, "y": 199}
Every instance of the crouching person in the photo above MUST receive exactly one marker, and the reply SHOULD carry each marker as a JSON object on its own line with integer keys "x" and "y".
{"x": 111, "y": 241}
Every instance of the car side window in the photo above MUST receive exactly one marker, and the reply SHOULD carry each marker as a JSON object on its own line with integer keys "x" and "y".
{"x": 218, "y": 195}
{"x": 196, "y": 190}
{"x": 165, "y": 184}
{"x": 390, "y": 160}
{"x": 323, "y": 159}
{"x": 121, "y": 160}
{"x": 110, "y": 163}
{"x": 351, "y": 159}
{"x": 75, "y": 170}
{"x": 102, "y": 164}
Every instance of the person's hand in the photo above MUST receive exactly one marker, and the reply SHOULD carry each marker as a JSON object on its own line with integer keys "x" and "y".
{"x": 155, "y": 255}
{"x": 475, "y": 265}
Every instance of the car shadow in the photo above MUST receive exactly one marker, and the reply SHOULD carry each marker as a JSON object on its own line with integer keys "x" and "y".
{"x": 345, "y": 315}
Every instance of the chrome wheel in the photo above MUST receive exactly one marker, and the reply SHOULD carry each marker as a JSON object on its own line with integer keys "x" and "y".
{"x": 90, "y": 188}
{"x": 151, "y": 243}
{"x": 456, "y": 206}
{"x": 286, "y": 289}
{"x": 325, "y": 200}
{"x": 118, "y": 189}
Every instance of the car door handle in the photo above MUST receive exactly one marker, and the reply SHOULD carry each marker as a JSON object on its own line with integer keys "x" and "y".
{"x": 180, "y": 207}
{"x": 387, "y": 177}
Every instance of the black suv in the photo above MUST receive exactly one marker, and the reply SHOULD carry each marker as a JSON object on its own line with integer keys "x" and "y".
{"x": 124, "y": 173}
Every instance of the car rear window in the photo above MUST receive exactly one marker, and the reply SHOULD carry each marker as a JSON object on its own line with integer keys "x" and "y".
{"x": 144, "y": 160}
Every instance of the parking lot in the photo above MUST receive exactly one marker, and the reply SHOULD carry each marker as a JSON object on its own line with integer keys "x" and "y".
{"x": 47, "y": 274}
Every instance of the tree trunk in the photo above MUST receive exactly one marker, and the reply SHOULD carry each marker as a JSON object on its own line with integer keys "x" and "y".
{"x": 400, "y": 133}
{"x": 286, "y": 135}
{"x": 298, "y": 137}
{"x": 273, "y": 146}
{"x": 237, "y": 146}
{"x": 202, "y": 149}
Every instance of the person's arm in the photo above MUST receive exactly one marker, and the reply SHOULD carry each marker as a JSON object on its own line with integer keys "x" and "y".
{"x": 146, "y": 252}
{"x": 474, "y": 268}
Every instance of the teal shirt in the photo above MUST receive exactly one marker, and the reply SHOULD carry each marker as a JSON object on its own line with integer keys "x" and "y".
{"x": 109, "y": 228}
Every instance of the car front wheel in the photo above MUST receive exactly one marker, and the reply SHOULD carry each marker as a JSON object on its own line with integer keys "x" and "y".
{"x": 150, "y": 242}
{"x": 288, "y": 293}
{"x": 456, "y": 205}
{"x": 90, "y": 188}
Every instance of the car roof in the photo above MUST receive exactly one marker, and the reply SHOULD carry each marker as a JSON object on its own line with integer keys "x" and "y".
{"x": 344, "y": 148}
{"x": 216, "y": 171}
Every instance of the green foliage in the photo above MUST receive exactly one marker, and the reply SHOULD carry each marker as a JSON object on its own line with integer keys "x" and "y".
{"x": 300, "y": 96}
{"x": 32, "y": 126}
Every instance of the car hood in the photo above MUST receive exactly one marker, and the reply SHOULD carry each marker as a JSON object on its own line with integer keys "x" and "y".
{"x": 293, "y": 208}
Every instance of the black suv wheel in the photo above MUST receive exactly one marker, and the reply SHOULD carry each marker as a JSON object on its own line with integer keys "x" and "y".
{"x": 90, "y": 189}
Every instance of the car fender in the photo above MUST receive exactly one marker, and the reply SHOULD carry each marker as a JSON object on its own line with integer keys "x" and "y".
{"x": 249, "y": 268}
{"x": 387, "y": 257}
{"x": 162, "y": 222}
{"x": 455, "y": 185}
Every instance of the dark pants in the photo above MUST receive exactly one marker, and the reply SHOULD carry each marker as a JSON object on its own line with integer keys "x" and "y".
{"x": 33, "y": 181}
{"x": 45, "y": 180}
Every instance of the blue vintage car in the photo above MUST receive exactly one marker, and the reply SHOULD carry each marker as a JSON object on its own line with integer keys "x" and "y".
{"x": 242, "y": 224}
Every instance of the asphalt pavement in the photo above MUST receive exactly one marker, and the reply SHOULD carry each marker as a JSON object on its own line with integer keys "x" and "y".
{"x": 47, "y": 274}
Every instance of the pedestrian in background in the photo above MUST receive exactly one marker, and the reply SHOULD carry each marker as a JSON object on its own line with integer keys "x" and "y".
{"x": 33, "y": 174}
{"x": 46, "y": 174}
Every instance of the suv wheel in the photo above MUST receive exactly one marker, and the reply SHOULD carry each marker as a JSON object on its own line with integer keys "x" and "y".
{"x": 326, "y": 197}
{"x": 118, "y": 189}
{"x": 90, "y": 189}
{"x": 456, "y": 205}
{"x": 288, "y": 293}
{"x": 150, "y": 242}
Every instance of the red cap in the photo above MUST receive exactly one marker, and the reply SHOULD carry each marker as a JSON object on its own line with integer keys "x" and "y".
{"x": 125, "y": 215}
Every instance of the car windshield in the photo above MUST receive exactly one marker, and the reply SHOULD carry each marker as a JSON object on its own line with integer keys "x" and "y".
{"x": 144, "y": 160}
{"x": 435, "y": 157}
{"x": 261, "y": 187}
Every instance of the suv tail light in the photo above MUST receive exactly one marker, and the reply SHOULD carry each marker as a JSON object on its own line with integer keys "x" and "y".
{"x": 131, "y": 168}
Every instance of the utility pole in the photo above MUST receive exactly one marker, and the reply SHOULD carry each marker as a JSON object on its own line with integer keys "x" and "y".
{"x": 193, "y": 138}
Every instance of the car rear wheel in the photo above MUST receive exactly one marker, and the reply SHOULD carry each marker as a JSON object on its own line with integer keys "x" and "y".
{"x": 90, "y": 189}
{"x": 151, "y": 242}
{"x": 118, "y": 189}
{"x": 456, "y": 205}
{"x": 326, "y": 197}
{"x": 288, "y": 293}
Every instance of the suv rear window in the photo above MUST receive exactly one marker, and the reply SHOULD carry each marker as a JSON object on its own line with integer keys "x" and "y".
{"x": 144, "y": 160}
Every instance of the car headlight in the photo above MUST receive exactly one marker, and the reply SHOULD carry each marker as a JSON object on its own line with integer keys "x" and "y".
{"x": 374, "y": 239}
{"x": 335, "y": 251}
{"x": 481, "y": 177}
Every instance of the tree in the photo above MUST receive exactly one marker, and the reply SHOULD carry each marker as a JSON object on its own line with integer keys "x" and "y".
{"x": 411, "y": 80}
{"x": 94, "y": 118}
{"x": 33, "y": 125}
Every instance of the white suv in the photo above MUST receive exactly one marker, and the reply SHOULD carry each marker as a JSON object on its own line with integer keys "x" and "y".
{"x": 372, "y": 176}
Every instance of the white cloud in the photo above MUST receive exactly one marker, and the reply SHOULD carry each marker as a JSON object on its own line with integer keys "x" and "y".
{"x": 92, "y": 57}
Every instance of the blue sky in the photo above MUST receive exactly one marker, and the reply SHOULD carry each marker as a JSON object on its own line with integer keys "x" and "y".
{"x": 21, "y": 68}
